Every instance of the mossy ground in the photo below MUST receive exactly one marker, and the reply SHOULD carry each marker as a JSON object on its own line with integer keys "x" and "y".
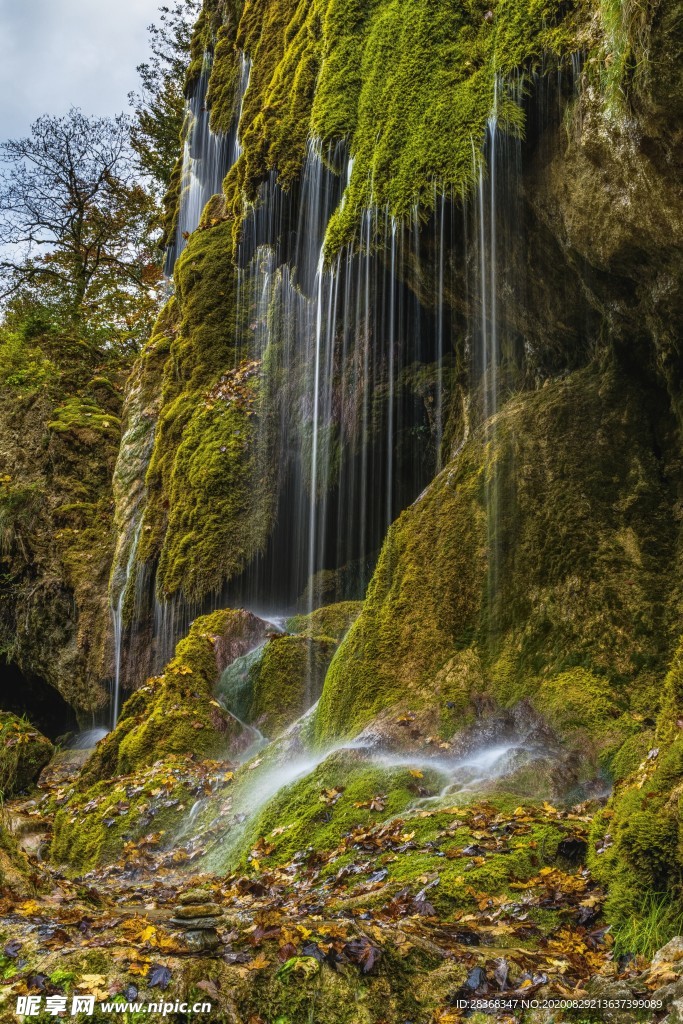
{"x": 129, "y": 816}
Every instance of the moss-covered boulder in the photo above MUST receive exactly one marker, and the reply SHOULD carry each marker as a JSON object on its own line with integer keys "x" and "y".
{"x": 333, "y": 620}
{"x": 637, "y": 839}
{"x": 24, "y": 752}
{"x": 177, "y": 713}
{"x": 548, "y": 550}
{"x": 272, "y": 688}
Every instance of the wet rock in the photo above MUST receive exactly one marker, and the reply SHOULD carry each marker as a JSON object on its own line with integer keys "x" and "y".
{"x": 195, "y": 923}
{"x": 670, "y": 995}
{"x": 670, "y": 953}
{"x": 189, "y": 911}
{"x": 202, "y": 941}
{"x": 606, "y": 990}
{"x": 197, "y": 917}
{"x": 193, "y": 896}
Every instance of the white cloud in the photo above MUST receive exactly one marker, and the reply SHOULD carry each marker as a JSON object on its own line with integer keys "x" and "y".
{"x": 62, "y": 53}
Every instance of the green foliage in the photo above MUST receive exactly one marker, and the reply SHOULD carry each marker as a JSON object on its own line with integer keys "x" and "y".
{"x": 625, "y": 56}
{"x": 658, "y": 920}
{"x": 160, "y": 106}
{"x": 23, "y": 366}
{"x": 76, "y": 223}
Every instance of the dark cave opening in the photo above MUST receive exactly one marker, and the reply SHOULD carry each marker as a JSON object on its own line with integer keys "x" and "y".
{"x": 29, "y": 696}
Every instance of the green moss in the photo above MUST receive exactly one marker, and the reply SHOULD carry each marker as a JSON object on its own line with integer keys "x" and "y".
{"x": 630, "y": 755}
{"x": 176, "y": 714}
{"x": 306, "y": 814}
{"x": 222, "y": 93}
{"x": 564, "y": 593}
{"x": 55, "y": 506}
{"x": 24, "y": 752}
{"x": 577, "y": 700}
{"x": 210, "y": 503}
{"x": 82, "y": 417}
{"x": 96, "y": 825}
{"x": 425, "y": 595}
{"x": 272, "y": 686}
{"x": 636, "y": 848}
{"x": 288, "y": 680}
{"x": 410, "y": 85}
{"x": 333, "y": 620}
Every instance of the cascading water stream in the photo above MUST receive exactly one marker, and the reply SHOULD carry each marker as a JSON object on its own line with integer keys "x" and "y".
{"x": 117, "y": 616}
{"x": 207, "y": 156}
{"x": 356, "y": 361}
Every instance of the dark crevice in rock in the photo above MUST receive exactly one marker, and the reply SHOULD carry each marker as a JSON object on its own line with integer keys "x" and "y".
{"x": 29, "y": 696}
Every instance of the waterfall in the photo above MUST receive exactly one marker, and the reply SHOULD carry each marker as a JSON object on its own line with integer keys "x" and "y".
{"x": 242, "y": 86}
{"x": 118, "y": 625}
{"x": 496, "y": 230}
{"x": 357, "y": 362}
{"x": 207, "y": 156}
{"x": 347, "y": 342}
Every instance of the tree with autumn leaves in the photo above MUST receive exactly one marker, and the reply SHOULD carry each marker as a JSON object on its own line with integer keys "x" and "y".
{"x": 81, "y": 205}
{"x": 77, "y": 227}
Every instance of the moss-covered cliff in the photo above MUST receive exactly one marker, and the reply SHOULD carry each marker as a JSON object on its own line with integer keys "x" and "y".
{"x": 547, "y": 547}
{"x": 59, "y": 436}
{"x": 447, "y": 253}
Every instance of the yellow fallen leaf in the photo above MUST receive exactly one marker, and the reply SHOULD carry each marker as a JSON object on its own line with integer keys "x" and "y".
{"x": 90, "y": 981}
{"x": 258, "y": 964}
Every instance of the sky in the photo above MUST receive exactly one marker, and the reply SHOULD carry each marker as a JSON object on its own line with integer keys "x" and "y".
{"x": 62, "y": 53}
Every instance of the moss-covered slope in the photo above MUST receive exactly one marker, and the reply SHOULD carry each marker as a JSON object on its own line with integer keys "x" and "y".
{"x": 548, "y": 550}
{"x": 210, "y": 499}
